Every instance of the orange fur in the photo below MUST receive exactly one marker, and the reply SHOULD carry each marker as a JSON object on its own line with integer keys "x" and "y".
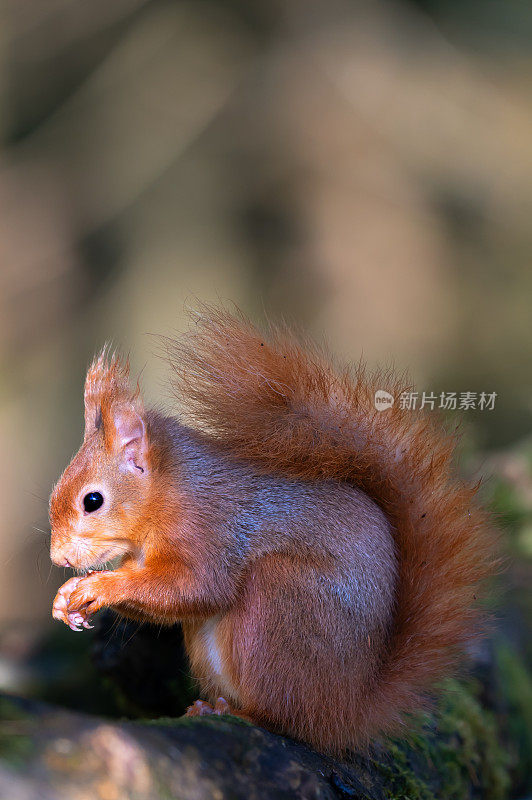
{"x": 320, "y": 554}
{"x": 280, "y": 404}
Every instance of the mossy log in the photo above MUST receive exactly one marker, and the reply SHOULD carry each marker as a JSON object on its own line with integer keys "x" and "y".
{"x": 474, "y": 745}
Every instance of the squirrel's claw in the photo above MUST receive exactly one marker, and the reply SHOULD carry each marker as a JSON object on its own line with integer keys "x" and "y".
{"x": 60, "y": 607}
{"x": 75, "y": 620}
{"x": 201, "y": 709}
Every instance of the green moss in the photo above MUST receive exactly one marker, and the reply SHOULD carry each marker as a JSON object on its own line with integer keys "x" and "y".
{"x": 516, "y": 689}
{"x": 402, "y": 782}
{"x": 471, "y": 750}
{"x": 452, "y": 755}
{"x": 209, "y": 720}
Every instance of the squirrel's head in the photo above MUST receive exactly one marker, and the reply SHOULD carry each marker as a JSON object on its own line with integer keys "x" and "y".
{"x": 97, "y": 504}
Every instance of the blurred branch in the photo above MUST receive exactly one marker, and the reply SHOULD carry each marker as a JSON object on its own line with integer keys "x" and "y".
{"x": 42, "y": 31}
{"x": 151, "y": 98}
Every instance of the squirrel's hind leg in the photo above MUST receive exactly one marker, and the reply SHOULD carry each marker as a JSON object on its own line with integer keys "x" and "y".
{"x": 299, "y": 655}
{"x": 200, "y": 708}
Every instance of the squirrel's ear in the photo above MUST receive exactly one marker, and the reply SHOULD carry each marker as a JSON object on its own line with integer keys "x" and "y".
{"x": 107, "y": 379}
{"x": 107, "y": 389}
{"x": 128, "y": 437}
{"x": 110, "y": 404}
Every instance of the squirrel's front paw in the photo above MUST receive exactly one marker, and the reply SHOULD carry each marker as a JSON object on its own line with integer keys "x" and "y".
{"x": 81, "y": 597}
{"x": 60, "y": 606}
{"x": 88, "y": 596}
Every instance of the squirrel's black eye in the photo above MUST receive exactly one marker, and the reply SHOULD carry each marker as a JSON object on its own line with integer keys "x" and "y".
{"x": 92, "y": 501}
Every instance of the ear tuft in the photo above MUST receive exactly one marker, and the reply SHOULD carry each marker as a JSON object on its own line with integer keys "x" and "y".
{"x": 107, "y": 382}
{"x": 112, "y": 405}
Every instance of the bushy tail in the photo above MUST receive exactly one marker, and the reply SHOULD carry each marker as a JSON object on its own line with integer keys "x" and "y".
{"x": 278, "y": 402}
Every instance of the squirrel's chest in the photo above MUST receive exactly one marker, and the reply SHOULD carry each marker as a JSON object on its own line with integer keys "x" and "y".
{"x": 208, "y": 649}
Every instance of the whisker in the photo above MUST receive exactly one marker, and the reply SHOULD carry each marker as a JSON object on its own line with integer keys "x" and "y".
{"x": 40, "y": 530}
{"x": 43, "y": 553}
{"x": 132, "y": 636}
{"x": 36, "y": 496}
{"x": 116, "y": 622}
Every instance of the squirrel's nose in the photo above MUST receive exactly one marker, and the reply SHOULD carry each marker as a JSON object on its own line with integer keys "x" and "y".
{"x": 58, "y": 557}
{"x": 62, "y": 562}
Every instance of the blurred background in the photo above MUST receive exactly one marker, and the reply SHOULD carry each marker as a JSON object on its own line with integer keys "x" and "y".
{"x": 363, "y": 169}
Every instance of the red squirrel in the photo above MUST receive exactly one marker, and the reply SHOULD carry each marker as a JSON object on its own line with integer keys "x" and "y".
{"x": 319, "y": 554}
